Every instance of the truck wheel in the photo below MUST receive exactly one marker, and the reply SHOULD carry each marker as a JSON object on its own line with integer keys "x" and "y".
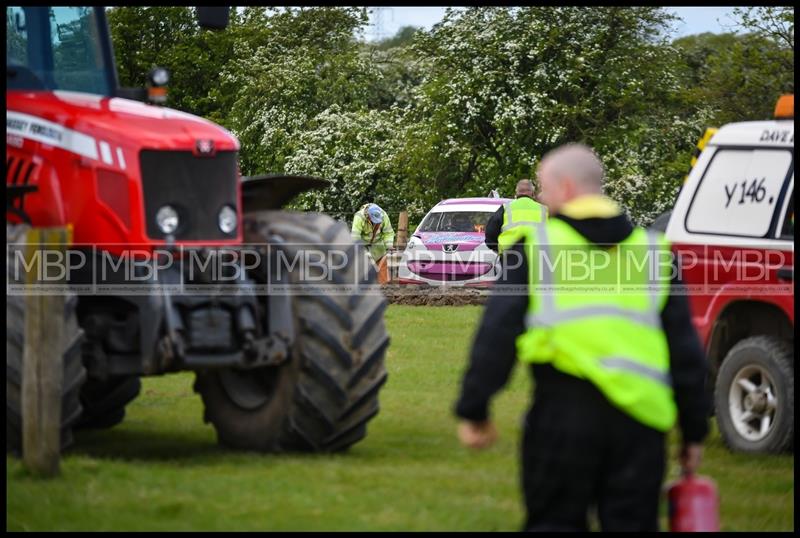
{"x": 754, "y": 396}
{"x": 322, "y": 397}
{"x": 74, "y": 372}
{"x": 104, "y": 401}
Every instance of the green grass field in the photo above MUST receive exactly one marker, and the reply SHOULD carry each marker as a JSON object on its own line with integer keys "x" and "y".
{"x": 162, "y": 470}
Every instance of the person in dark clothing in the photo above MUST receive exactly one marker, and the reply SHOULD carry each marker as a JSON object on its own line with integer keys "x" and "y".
{"x": 578, "y": 449}
{"x": 495, "y": 223}
{"x": 493, "y": 226}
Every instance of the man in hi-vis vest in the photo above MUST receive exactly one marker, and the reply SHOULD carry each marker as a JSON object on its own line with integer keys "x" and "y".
{"x": 615, "y": 358}
{"x": 371, "y": 225}
{"x": 502, "y": 229}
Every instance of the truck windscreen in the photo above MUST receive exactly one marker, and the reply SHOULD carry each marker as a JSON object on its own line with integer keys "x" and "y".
{"x": 57, "y": 48}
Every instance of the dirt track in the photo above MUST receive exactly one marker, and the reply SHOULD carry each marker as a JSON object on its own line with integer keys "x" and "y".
{"x": 444, "y": 296}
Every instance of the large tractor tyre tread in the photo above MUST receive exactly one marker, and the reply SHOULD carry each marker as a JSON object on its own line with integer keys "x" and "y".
{"x": 104, "y": 401}
{"x": 74, "y": 373}
{"x": 326, "y": 393}
{"x": 777, "y": 357}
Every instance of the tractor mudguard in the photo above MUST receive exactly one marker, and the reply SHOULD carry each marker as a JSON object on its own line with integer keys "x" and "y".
{"x": 273, "y": 191}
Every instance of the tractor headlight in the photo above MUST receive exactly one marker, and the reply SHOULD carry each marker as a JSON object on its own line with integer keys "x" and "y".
{"x": 167, "y": 219}
{"x": 227, "y": 219}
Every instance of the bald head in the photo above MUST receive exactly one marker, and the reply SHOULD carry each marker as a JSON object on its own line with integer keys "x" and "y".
{"x": 524, "y": 188}
{"x": 577, "y": 162}
{"x": 567, "y": 172}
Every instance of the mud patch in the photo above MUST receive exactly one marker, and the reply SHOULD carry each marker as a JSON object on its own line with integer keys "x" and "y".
{"x": 430, "y": 296}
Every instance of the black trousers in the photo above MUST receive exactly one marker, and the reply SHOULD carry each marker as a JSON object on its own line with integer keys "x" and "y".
{"x": 579, "y": 452}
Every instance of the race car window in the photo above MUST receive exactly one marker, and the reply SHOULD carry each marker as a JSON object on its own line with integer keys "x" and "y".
{"x": 455, "y": 221}
{"x": 739, "y": 192}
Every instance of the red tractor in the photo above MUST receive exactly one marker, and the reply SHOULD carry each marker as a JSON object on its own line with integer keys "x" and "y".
{"x": 277, "y": 370}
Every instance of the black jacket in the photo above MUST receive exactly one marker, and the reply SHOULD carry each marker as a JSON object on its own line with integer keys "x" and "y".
{"x": 493, "y": 227}
{"x": 494, "y": 349}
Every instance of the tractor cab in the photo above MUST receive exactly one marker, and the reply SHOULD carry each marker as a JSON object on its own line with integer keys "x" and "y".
{"x": 69, "y": 48}
{"x": 59, "y": 48}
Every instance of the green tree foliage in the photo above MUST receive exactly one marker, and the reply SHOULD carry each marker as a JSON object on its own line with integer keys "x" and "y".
{"x": 503, "y": 86}
{"x": 290, "y": 66}
{"x": 357, "y": 151}
{"x": 773, "y": 22}
{"x": 144, "y": 38}
{"x": 739, "y": 77}
{"x": 468, "y": 106}
{"x": 147, "y": 37}
{"x": 403, "y": 37}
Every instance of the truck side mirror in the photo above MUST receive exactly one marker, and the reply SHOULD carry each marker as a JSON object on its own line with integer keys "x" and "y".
{"x": 213, "y": 18}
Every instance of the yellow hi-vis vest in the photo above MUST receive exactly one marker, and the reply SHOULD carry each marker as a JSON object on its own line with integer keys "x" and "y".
{"x": 517, "y": 214}
{"x": 594, "y": 313}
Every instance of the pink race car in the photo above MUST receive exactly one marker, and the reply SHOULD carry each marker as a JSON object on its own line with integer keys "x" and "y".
{"x": 448, "y": 249}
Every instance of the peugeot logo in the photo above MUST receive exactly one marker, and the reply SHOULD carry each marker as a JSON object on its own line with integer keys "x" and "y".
{"x": 450, "y": 247}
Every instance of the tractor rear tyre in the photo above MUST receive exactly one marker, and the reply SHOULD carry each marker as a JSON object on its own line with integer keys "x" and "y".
{"x": 322, "y": 397}
{"x": 74, "y": 372}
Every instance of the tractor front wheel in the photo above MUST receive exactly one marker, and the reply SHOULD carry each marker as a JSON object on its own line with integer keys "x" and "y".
{"x": 323, "y": 396}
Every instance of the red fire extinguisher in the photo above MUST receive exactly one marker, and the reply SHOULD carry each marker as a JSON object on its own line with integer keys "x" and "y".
{"x": 693, "y": 505}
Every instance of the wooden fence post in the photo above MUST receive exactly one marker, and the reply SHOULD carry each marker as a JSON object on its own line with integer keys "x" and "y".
{"x": 400, "y": 242}
{"x": 42, "y": 370}
{"x": 402, "y": 230}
